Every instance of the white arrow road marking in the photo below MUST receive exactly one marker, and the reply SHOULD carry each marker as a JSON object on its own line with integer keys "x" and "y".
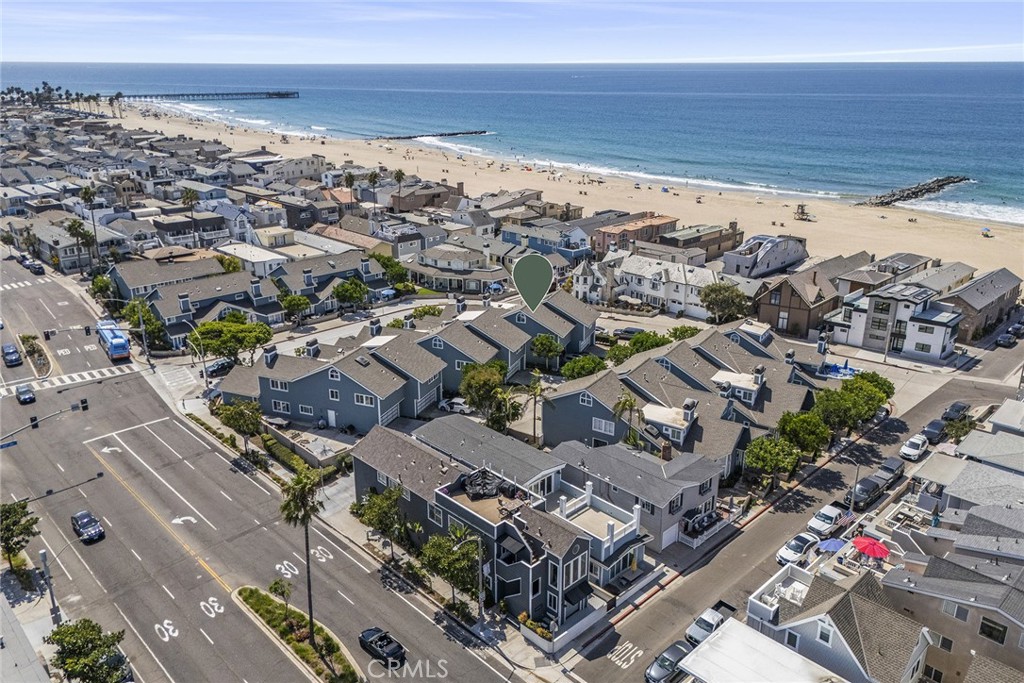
{"x": 182, "y": 520}
{"x": 110, "y": 449}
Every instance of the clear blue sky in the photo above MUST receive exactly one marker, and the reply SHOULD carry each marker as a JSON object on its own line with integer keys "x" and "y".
{"x": 527, "y": 31}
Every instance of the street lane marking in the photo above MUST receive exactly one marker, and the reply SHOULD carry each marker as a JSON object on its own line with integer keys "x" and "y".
{"x": 219, "y": 455}
{"x": 189, "y": 432}
{"x": 52, "y": 554}
{"x": 346, "y": 597}
{"x": 59, "y": 467}
{"x": 160, "y": 521}
{"x": 83, "y": 493}
{"x": 342, "y": 550}
{"x": 79, "y": 556}
{"x": 108, "y": 522}
{"x": 144, "y": 644}
{"x": 166, "y": 445}
{"x": 127, "y": 429}
{"x": 136, "y": 555}
{"x": 41, "y": 303}
{"x": 207, "y": 637}
{"x": 299, "y": 557}
{"x": 226, "y": 496}
{"x": 190, "y": 464}
{"x": 167, "y": 591}
{"x": 164, "y": 482}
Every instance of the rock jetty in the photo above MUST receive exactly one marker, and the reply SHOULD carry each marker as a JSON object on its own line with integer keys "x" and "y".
{"x": 915, "y": 192}
{"x": 435, "y": 135}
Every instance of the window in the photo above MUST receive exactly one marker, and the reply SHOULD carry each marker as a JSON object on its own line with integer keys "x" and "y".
{"x": 672, "y": 433}
{"x": 553, "y": 574}
{"x": 281, "y": 407}
{"x": 923, "y": 348}
{"x": 553, "y": 602}
{"x": 278, "y": 385}
{"x": 535, "y": 588}
{"x": 1020, "y": 643}
{"x": 775, "y": 298}
{"x": 459, "y": 364}
{"x": 437, "y": 343}
{"x": 305, "y": 410}
{"x": 932, "y": 674}
{"x": 825, "y": 633}
{"x": 405, "y": 493}
{"x": 382, "y": 479}
{"x": 926, "y": 329}
{"x": 879, "y": 323}
{"x": 603, "y": 426}
{"x": 942, "y": 642}
{"x": 847, "y": 314}
{"x": 520, "y": 318}
{"x": 586, "y": 399}
{"x": 954, "y": 610}
{"x": 334, "y": 394}
{"x": 645, "y": 505}
{"x": 575, "y": 570}
{"x": 992, "y": 630}
{"x": 434, "y": 514}
{"x": 365, "y": 400}
{"x": 792, "y": 639}
{"x": 334, "y": 374}
{"x": 705, "y": 487}
{"x": 675, "y": 504}
{"x": 783, "y": 320}
{"x": 877, "y": 337}
{"x": 881, "y": 307}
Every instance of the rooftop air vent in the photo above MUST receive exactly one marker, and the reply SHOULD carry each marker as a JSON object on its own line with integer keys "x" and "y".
{"x": 363, "y": 361}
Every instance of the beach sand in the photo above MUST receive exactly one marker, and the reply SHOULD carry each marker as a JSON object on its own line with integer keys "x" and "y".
{"x": 838, "y": 228}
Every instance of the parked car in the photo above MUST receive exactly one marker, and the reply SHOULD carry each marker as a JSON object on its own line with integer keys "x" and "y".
{"x": 665, "y": 667}
{"x": 798, "y": 549}
{"x": 829, "y": 520}
{"x": 934, "y": 431}
{"x": 382, "y": 645}
{"x": 708, "y": 622}
{"x": 1006, "y": 340}
{"x": 36, "y": 268}
{"x": 218, "y": 368}
{"x": 1017, "y": 330}
{"x": 25, "y": 394}
{"x": 864, "y": 493}
{"x": 915, "y": 447}
{"x": 882, "y": 414}
{"x": 455, "y": 405}
{"x": 12, "y": 356}
{"x": 118, "y": 662}
{"x": 87, "y": 527}
{"x": 955, "y": 411}
{"x": 24, "y": 260}
{"x": 1, "y": 323}
{"x": 627, "y": 333}
{"x": 889, "y": 472}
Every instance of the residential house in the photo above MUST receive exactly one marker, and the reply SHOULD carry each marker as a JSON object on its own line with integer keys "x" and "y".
{"x": 239, "y": 220}
{"x": 355, "y": 240}
{"x": 315, "y": 278}
{"x": 198, "y": 229}
{"x": 942, "y": 277}
{"x": 510, "y": 342}
{"x": 290, "y": 170}
{"x": 417, "y": 195}
{"x": 646, "y": 227}
{"x": 458, "y": 347}
{"x": 205, "y": 192}
{"x": 139, "y": 278}
{"x": 673, "y": 287}
{"x": 985, "y": 301}
{"x": 762, "y": 255}
{"x": 299, "y": 212}
{"x": 256, "y": 260}
{"x": 449, "y": 267}
{"x": 713, "y": 240}
{"x": 559, "y": 238}
{"x": 796, "y": 304}
{"x": 892, "y": 268}
{"x": 140, "y": 235}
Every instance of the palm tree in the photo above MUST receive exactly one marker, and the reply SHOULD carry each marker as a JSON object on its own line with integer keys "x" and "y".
{"x": 119, "y": 100}
{"x": 76, "y": 230}
{"x": 626, "y": 404}
{"x": 88, "y": 195}
{"x": 373, "y": 178}
{"x": 535, "y": 391}
{"x": 349, "y": 179}
{"x": 298, "y": 508}
{"x": 190, "y": 198}
{"x": 399, "y": 176}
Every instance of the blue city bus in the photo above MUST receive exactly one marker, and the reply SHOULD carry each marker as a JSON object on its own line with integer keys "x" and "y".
{"x": 113, "y": 340}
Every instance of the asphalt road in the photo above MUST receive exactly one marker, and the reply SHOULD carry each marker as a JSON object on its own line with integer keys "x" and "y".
{"x": 736, "y": 569}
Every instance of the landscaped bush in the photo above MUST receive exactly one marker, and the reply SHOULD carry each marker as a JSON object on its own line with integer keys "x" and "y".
{"x": 529, "y": 623}
{"x": 283, "y": 455}
{"x": 271, "y": 612}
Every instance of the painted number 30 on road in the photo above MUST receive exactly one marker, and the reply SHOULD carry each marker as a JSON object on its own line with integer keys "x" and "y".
{"x": 625, "y": 654}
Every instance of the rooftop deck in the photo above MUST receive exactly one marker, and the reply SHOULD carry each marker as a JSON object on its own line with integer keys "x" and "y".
{"x": 596, "y": 522}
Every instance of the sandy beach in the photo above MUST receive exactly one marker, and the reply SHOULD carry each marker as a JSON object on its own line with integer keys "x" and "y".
{"x": 838, "y": 227}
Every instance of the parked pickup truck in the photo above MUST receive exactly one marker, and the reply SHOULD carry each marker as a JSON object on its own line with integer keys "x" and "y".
{"x": 830, "y": 519}
{"x": 708, "y": 622}
{"x": 889, "y": 472}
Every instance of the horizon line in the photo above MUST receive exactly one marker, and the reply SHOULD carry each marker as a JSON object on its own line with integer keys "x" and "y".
{"x": 699, "y": 62}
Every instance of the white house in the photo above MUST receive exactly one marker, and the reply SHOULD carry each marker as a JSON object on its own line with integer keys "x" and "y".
{"x": 258, "y": 261}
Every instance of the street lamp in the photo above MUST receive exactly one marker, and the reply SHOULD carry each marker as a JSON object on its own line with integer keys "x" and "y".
{"x": 54, "y": 609}
{"x": 480, "y": 569}
{"x": 201, "y": 350}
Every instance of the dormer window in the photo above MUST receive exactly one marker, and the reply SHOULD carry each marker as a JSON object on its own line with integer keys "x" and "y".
{"x": 334, "y": 374}
{"x": 520, "y": 318}
{"x": 586, "y": 399}
{"x": 437, "y": 343}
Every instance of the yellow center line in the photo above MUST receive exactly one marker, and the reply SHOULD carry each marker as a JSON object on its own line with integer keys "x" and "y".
{"x": 155, "y": 515}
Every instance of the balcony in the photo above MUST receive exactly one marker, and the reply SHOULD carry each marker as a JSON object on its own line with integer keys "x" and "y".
{"x": 214, "y": 235}
{"x": 606, "y": 524}
{"x": 789, "y": 586}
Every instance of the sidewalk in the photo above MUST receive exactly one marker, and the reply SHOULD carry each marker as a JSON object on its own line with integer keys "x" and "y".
{"x": 25, "y": 620}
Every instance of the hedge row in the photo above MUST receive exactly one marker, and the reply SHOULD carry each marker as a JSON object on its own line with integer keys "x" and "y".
{"x": 281, "y": 453}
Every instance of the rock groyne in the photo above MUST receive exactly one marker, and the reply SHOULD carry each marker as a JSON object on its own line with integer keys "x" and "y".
{"x": 435, "y": 135}
{"x": 915, "y": 192}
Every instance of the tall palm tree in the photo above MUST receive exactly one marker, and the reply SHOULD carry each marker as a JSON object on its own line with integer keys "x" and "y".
{"x": 299, "y": 507}
{"x": 190, "y": 198}
{"x": 535, "y": 391}
{"x": 626, "y": 404}
{"x": 349, "y": 179}
{"x": 399, "y": 176}
{"x": 373, "y": 178}
{"x": 88, "y": 195}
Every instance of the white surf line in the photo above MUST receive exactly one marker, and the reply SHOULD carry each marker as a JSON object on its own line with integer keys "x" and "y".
{"x": 166, "y": 445}
{"x": 81, "y": 559}
{"x": 135, "y": 554}
{"x": 164, "y": 482}
{"x": 127, "y": 429}
{"x": 54, "y": 556}
{"x": 207, "y": 637}
{"x": 58, "y": 466}
{"x": 342, "y": 550}
{"x": 299, "y": 557}
{"x": 226, "y": 496}
{"x": 346, "y": 597}
{"x": 144, "y": 644}
{"x": 167, "y": 591}
{"x": 218, "y": 454}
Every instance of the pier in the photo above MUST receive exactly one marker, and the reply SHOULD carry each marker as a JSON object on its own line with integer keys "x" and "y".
{"x": 915, "y": 192}
{"x": 193, "y": 96}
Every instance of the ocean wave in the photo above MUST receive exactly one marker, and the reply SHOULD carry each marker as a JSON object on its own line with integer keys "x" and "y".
{"x": 985, "y": 212}
{"x": 452, "y": 146}
{"x": 255, "y": 122}
{"x": 318, "y": 127}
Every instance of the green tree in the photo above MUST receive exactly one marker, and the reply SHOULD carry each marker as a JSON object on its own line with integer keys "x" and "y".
{"x": 458, "y": 568}
{"x": 17, "y": 528}
{"x": 189, "y": 197}
{"x": 619, "y": 353}
{"x": 397, "y": 323}
{"x": 299, "y": 507}
{"x": 583, "y": 366}
{"x": 394, "y": 271}
{"x": 399, "y": 176}
{"x": 281, "y": 589}
{"x": 421, "y": 312}
{"x": 230, "y": 264}
{"x": 30, "y": 241}
{"x": 547, "y": 347}
{"x": 230, "y": 339}
{"x": 478, "y": 385}
{"x": 382, "y": 514}
{"x": 771, "y": 456}
{"x": 351, "y": 291}
{"x": 724, "y": 301}
{"x": 682, "y": 332}
{"x": 960, "y": 428}
{"x": 627, "y": 405}
{"x": 879, "y": 382}
{"x": 806, "y": 431}
{"x": 76, "y": 231}
{"x": 7, "y": 239}
{"x": 155, "y": 333}
{"x": 865, "y": 396}
{"x": 349, "y": 179}
{"x": 243, "y": 417}
{"x": 504, "y": 409}
{"x": 85, "y": 653}
{"x": 373, "y": 178}
{"x": 535, "y": 392}
{"x": 102, "y": 287}
{"x": 88, "y": 196}
{"x": 646, "y": 340}
{"x": 295, "y": 305}
{"x": 836, "y": 409}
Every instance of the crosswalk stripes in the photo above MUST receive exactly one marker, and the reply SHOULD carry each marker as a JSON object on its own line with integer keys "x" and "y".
{"x": 74, "y": 378}
{"x": 177, "y": 376}
{"x": 24, "y": 283}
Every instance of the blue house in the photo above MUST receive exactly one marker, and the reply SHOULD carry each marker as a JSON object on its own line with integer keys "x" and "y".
{"x": 316, "y": 278}
{"x": 547, "y": 236}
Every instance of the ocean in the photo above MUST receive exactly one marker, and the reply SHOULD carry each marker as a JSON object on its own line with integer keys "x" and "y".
{"x": 843, "y": 130}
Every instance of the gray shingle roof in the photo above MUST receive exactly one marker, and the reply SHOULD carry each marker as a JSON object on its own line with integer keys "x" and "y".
{"x": 983, "y": 484}
{"x": 984, "y": 289}
{"x": 363, "y": 368}
{"x": 404, "y": 353}
{"x": 145, "y": 272}
{"x": 418, "y": 467}
{"x": 546, "y": 318}
{"x": 492, "y": 325}
{"x": 568, "y": 306}
{"x": 603, "y": 386}
{"x": 983, "y": 669}
{"x": 1001, "y": 449}
{"x": 468, "y": 343}
{"x": 460, "y": 437}
{"x": 549, "y": 531}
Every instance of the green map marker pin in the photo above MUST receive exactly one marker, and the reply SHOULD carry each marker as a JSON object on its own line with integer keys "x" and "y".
{"x": 532, "y": 276}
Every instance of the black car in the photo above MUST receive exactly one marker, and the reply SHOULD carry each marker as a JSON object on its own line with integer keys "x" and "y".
{"x": 864, "y": 493}
{"x": 1017, "y": 330}
{"x": 382, "y": 645}
{"x": 934, "y": 431}
{"x": 1006, "y": 340}
{"x": 87, "y": 527}
{"x": 218, "y": 368}
{"x": 25, "y": 394}
{"x": 956, "y": 411}
{"x": 12, "y": 356}
{"x": 627, "y": 333}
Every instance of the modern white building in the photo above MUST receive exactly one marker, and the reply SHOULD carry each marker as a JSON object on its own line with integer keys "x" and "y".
{"x": 762, "y": 255}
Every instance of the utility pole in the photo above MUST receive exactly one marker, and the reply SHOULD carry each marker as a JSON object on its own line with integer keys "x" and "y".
{"x": 54, "y": 609}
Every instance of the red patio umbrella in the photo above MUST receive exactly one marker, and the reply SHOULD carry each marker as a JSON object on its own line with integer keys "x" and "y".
{"x": 870, "y": 547}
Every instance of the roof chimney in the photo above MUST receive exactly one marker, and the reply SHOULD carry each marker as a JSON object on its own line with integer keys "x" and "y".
{"x": 254, "y": 288}
{"x": 790, "y": 356}
{"x": 666, "y": 449}
{"x": 759, "y": 375}
{"x": 312, "y": 348}
{"x": 307, "y": 277}
{"x": 364, "y": 265}
{"x": 460, "y": 304}
{"x": 814, "y": 276}
{"x": 375, "y": 327}
{"x": 408, "y": 321}
{"x": 269, "y": 355}
{"x": 486, "y": 300}
{"x": 689, "y": 410}
{"x": 183, "y": 302}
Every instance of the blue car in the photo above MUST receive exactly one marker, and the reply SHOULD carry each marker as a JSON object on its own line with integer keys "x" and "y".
{"x": 12, "y": 356}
